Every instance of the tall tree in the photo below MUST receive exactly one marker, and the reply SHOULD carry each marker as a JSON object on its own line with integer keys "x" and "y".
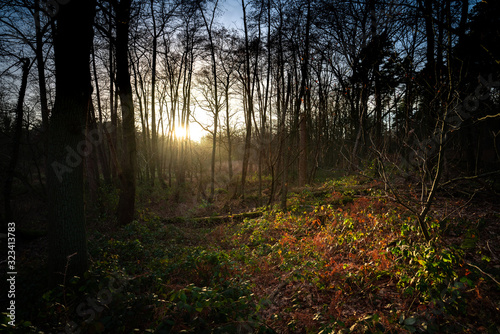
{"x": 248, "y": 98}
{"x": 16, "y": 142}
{"x": 229, "y": 64}
{"x": 72, "y": 47}
{"x": 41, "y": 66}
{"x": 209, "y": 27}
{"x": 155, "y": 162}
{"x": 126, "y": 203}
{"x": 305, "y": 96}
{"x": 154, "y": 136}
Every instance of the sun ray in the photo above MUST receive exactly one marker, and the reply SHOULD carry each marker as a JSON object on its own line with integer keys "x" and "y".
{"x": 180, "y": 132}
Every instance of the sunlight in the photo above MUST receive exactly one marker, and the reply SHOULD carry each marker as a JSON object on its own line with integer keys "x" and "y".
{"x": 180, "y": 132}
{"x": 194, "y": 132}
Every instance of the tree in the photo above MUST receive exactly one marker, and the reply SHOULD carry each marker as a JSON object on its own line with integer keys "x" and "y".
{"x": 305, "y": 96}
{"x": 17, "y": 32}
{"x": 209, "y": 27}
{"x": 477, "y": 70}
{"x": 41, "y": 65}
{"x": 154, "y": 135}
{"x": 157, "y": 31}
{"x": 248, "y": 101}
{"x": 126, "y": 203}
{"x": 229, "y": 64}
{"x": 18, "y": 128}
{"x": 67, "y": 146}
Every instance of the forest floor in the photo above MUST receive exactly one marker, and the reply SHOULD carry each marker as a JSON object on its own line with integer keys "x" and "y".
{"x": 342, "y": 258}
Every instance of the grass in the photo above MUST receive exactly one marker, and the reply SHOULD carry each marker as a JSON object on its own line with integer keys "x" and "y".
{"x": 343, "y": 258}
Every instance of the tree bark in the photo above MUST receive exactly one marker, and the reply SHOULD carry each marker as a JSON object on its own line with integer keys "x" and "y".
{"x": 112, "y": 94}
{"x": 305, "y": 96}
{"x": 67, "y": 147}
{"x": 249, "y": 106}
{"x": 126, "y": 203}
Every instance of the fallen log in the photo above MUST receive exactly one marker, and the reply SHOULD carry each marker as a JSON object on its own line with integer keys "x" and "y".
{"x": 214, "y": 220}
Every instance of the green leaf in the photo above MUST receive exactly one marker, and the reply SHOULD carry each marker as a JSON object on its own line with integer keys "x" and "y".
{"x": 411, "y": 329}
{"x": 410, "y": 321}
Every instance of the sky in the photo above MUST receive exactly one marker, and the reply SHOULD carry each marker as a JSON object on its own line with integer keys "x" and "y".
{"x": 232, "y": 17}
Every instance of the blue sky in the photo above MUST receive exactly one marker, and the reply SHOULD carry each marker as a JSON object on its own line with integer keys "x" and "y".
{"x": 232, "y": 17}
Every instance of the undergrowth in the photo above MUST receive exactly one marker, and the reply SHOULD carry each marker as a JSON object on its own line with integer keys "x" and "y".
{"x": 341, "y": 259}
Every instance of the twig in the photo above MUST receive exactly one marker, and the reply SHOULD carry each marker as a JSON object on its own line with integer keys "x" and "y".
{"x": 459, "y": 208}
{"x": 388, "y": 184}
{"x": 68, "y": 259}
{"x": 493, "y": 254}
{"x": 469, "y": 178}
{"x": 488, "y": 116}
{"x": 492, "y": 278}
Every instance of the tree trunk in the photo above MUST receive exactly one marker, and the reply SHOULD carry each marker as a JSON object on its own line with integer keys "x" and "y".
{"x": 103, "y": 156}
{"x": 304, "y": 95}
{"x": 126, "y": 203}
{"x": 376, "y": 75}
{"x": 144, "y": 132}
{"x": 112, "y": 100}
{"x": 41, "y": 72}
{"x": 216, "y": 99}
{"x": 228, "y": 133}
{"x": 430, "y": 88}
{"x": 249, "y": 106}
{"x": 302, "y": 150}
{"x": 16, "y": 141}
{"x": 154, "y": 137}
{"x": 72, "y": 47}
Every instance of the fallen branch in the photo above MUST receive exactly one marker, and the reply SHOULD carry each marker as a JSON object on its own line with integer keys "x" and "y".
{"x": 214, "y": 220}
{"x": 492, "y": 278}
{"x": 474, "y": 177}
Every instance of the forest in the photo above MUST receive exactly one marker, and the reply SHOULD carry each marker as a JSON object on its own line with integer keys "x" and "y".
{"x": 263, "y": 166}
